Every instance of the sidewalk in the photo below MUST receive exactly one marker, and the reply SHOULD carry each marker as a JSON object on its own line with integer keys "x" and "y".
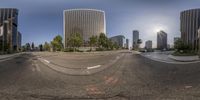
{"x": 164, "y": 57}
{"x": 9, "y": 56}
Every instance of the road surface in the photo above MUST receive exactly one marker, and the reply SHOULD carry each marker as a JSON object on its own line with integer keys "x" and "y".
{"x": 133, "y": 77}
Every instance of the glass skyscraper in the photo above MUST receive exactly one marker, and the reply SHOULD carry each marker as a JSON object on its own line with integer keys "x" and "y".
{"x": 162, "y": 40}
{"x": 190, "y": 23}
{"x": 9, "y": 29}
{"x": 135, "y": 39}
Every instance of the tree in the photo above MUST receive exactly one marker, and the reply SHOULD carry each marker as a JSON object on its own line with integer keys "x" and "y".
{"x": 102, "y": 41}
{"x": 46, "y": 46}
{"x": 180, "y": 46}
{"x": 57, "y": 43}
{"x": 28, "y": 47}
{"x": 23, "y": 49}
{"x": 75, "y": 40}
{"x": 110, "y": 44}
{"x": 116, "y": 46}
{"x": 41, "y": 47}
{"x": 32, "y": 46}
{"x": 93, "y": 41}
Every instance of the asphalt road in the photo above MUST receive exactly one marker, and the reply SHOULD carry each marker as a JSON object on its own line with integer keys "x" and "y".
{"x": 131, "y": 78}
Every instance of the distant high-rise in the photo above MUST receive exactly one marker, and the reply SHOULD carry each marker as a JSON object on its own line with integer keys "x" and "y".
{"x": 119, "y": 40}
{"x": 148, "y": 44}
{"x": 190, "y": 22}
{"x": 127, "y": 43}
{"x": 19, "y": 39}
{"x": 87, "y": 22}
{"x": 9, "y": 29}
{"x": 161, "y": 40}
{"x": 135, "y": 39}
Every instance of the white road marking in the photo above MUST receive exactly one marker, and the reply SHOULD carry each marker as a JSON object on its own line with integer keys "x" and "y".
{"x": 46, "y": 61}
{"x": 97, "y": 66}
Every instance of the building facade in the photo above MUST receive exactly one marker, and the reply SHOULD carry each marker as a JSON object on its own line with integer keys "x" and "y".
{"x": 19, "y": 40}
{"x": 119, "y": 40}
{"x": 189, "y": 25}
{"x": 87, "y": 22}
{"x": 161, "y": 40}
{"x": 127, "y": 44}
{"x": 135, "y": 39}
{"x": 9, "y": 30}
{"x": 148, "y": 45}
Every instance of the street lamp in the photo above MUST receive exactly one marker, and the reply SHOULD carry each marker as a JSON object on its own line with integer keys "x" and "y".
{"x": 199, "y": 40}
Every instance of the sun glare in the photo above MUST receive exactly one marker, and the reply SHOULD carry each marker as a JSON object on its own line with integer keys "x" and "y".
{"x": 158, "y": 28}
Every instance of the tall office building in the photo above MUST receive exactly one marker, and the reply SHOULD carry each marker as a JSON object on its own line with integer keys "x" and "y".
{"x": 9, "y": 29}
{"x": 189, "y": 23}
{"x": 135, "y": 39}
{"x": 119, "y": 40}
{"x": 87, "y": 22}
{"x": 19, "y": 40}
{"x": 148, "y": 45}
{"x": 161, "y": 40}
{"x": 127, "y": 44}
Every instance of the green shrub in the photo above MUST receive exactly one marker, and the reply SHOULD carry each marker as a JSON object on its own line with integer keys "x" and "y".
{"x": 69, "y": 50}
{"x": 72, "y": 50}
{"x": 185, "y": 53}
{"x": 99, "y": 49}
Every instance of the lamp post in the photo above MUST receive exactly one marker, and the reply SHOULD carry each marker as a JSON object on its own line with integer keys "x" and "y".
{"x": 199, "y": 40}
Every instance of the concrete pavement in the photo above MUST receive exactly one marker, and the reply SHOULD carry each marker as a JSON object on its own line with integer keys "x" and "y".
{"x": 167, "y": 58}
{"x": 79, "y": 63}
{"x": 9, "y": 56}
{"x": 134, "y": 77}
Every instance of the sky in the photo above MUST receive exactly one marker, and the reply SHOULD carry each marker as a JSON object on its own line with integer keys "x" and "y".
{"x": 41, "y": 20}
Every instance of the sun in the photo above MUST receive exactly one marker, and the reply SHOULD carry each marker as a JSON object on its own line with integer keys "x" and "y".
{"x": 158, "y": 28}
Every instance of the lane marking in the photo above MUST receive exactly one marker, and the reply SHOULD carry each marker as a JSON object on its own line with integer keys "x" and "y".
{"x": 46, "y": 61}
{"x": 97, "y": 66}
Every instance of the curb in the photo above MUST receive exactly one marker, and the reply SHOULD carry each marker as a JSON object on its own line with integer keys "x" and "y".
{"x": 10, "y": 57}
{"x": 182, "y": 59}
{"x": 169, "y": 62}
